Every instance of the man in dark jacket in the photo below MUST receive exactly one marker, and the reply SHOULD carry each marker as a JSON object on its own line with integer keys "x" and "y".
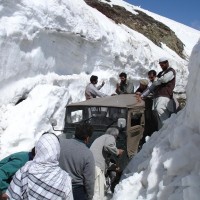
{"x": 77, "y": 159}
{"x": 162, "y": 89}
{"x": 9, "y": 166}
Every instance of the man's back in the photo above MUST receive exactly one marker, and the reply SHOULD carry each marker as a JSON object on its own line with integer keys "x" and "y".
{"x": 9, "y": 166}
{"x": 78, "y": 161}
{"x": 102, "y": 148}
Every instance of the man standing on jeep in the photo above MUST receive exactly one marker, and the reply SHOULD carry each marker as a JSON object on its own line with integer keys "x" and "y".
{"x": 162, "y": 89}
{"x": 92, "y": 91}
{"x": 125, "y": 86}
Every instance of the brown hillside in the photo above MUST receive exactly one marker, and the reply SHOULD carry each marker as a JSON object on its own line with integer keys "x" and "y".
{"x": 156, "y": 31}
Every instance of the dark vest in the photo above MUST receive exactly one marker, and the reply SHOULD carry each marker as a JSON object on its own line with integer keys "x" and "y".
{"x": 166, "y": 89}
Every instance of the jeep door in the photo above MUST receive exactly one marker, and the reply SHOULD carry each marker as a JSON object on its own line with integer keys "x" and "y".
{"x": 135, "y": 124}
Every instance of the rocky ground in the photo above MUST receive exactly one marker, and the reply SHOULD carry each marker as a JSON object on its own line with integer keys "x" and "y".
{"x": 156, "y": 31}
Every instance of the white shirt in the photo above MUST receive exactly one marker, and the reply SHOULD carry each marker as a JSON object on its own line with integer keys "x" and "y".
{"x": 92, "y": 91}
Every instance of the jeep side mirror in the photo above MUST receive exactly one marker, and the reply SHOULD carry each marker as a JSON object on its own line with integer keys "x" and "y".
{"x": 53, "y": 122}
{"x": 121, "y": 122}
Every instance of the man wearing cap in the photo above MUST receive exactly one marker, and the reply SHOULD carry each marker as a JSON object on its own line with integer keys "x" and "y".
{"x": 162, "y": 89}
{"x": 143, "y": 86}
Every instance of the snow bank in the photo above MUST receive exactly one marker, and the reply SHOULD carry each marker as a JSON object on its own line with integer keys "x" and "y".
{"x": 49, "y": 49}
{"x": 168, "y": 165}
{"x": 69, "y": 37}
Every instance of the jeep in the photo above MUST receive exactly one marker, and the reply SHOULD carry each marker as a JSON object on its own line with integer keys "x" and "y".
{"x": 122, "y": 111}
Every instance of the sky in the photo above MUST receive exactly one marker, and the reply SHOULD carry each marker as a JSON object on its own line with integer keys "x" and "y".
{"x": 42, "y": 68}
{"x": 184, "y": 11}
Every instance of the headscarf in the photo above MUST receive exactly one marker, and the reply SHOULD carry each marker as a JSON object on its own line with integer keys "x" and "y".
{"x": 42, "y": 178}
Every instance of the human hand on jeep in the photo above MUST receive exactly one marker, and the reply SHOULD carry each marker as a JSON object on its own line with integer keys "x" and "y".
{"x": 117, "y": 169}
{"x": 138, "y": 98}
{"x": 120, "y": 152}
{"x": 138, "y": 93}
{"x": 112, "y": 167}
{"x": 3, "y": 196}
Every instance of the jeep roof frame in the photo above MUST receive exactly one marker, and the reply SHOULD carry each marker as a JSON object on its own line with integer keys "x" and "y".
{"x": 118, "y": 101}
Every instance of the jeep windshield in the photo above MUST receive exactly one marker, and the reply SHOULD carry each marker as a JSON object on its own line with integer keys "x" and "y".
{"x": 99, "y": 117}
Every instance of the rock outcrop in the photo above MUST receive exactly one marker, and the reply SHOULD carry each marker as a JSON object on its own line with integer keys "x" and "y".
{"x": 154, "y": 30}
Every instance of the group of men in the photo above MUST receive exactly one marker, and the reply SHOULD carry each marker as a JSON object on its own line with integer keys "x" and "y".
{"x": 124, "y": 87}
{"x": 85, "y": 167}
{"x": 161, "y": 87}
{"x": 36, "y": 174}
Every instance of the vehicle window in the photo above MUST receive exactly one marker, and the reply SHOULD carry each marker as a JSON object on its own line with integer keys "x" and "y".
{"x": 76, "y": 116}
{"x": 98, "y": 111}
{"x": 98, "y": 116}
{"x": 116, "y": 113}
{"x": 135, "y": 119}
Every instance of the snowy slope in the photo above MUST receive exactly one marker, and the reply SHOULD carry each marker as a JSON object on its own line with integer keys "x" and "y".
{"x": 186, "y": 34}
{"x": 167, "y": 167}
{"x": 49, "y": 49}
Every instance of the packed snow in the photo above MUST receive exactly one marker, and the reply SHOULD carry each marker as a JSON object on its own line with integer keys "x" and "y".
{"x": 49, "y": 50}
{"x": 168, "y": 165}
